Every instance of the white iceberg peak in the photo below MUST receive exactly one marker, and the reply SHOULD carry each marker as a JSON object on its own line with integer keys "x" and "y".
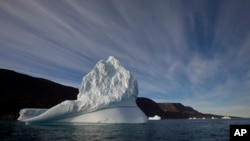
{"x": 108, "y": 80}
{"x": 112, "y": 60}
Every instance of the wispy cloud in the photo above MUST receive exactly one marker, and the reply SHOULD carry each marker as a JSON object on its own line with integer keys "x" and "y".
{"x": 193, "y": 52}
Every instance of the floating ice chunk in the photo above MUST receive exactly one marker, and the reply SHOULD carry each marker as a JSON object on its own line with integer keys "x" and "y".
{"x": 156, "y": 117}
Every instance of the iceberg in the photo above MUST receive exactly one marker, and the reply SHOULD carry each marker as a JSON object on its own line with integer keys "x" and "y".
{"x": 107, "y": 95}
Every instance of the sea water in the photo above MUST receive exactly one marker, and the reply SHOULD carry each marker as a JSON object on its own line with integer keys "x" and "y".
{"x": 165, "y": 130}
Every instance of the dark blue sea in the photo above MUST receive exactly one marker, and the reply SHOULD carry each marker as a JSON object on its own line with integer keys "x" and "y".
{"x": 162, "y": 130}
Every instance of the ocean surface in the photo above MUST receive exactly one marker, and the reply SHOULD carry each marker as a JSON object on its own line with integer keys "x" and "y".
{"x": 161, "y": 130}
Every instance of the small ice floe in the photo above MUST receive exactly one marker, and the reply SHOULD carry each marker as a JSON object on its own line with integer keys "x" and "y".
{"x": 213, "y": 118}
{"x": 156, "y": 117}
{"x": 226, "y": 117}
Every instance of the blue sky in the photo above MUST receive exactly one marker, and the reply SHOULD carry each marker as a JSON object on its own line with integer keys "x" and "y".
{"x": 193, "y": 52}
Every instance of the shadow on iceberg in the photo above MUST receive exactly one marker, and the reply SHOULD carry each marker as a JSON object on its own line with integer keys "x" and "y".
{"x": 107, "y": 95}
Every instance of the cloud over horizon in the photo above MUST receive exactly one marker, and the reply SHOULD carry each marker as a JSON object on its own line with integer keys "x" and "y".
{"x": 195, "y": 52}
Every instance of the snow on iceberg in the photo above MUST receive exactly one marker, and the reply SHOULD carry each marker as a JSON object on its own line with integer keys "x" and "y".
{"x": 107, "y": 95}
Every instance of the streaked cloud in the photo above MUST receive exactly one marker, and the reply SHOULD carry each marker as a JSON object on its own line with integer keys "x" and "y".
{"x": 190, "y": 51}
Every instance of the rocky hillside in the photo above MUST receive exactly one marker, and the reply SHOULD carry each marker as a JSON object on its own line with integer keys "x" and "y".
{"x": 22, "y": 91}
{"x": 169, "y": 110}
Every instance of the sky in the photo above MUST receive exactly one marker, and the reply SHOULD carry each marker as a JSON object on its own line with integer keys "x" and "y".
{"x": 195, "y": 52}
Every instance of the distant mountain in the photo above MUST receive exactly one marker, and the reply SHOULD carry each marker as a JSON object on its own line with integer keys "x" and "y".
{"x": 166, "y": 110}
{"x": 169, "y": 110}
{"x": 19, "y": 91}
{"x": 186, "y": 111}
